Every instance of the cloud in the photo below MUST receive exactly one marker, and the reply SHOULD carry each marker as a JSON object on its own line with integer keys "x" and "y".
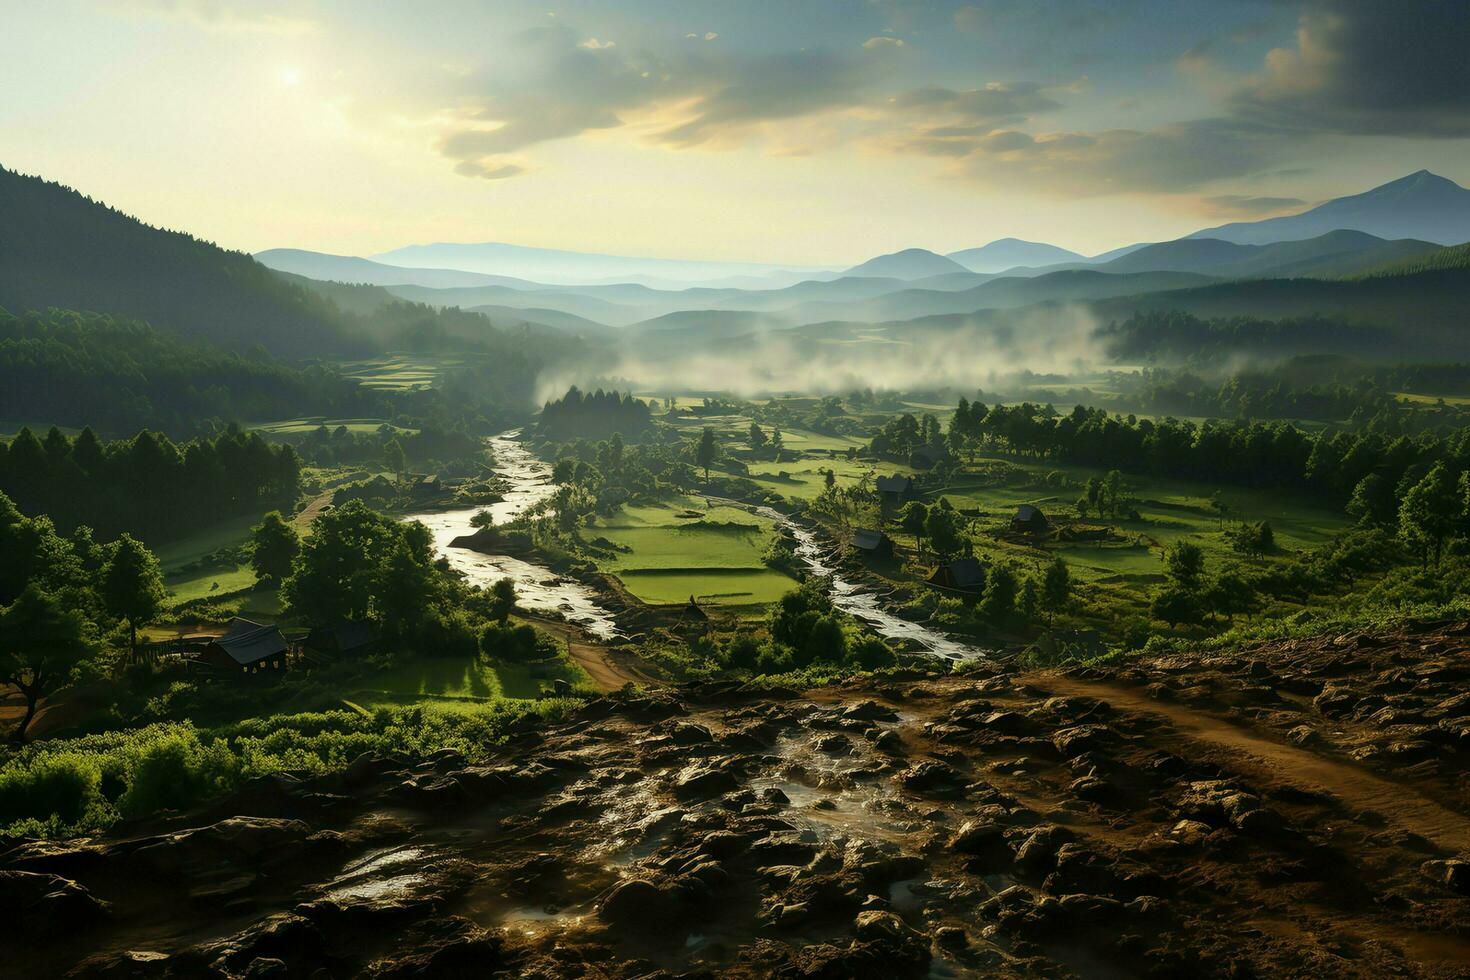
{"x": 996, "y": 103}
{"x": 1368, "y": 67}
{"x": 874, "y": 43}
{"x": 1174, "y": 158}
{"x": 551, "y": 86}
{"x": 708, "y": 36}
{"x": 220, "y": 16}
{"x": 593, "y": 44}
{"x": 1245, "y": 206}
{"x": 736, "y": 95}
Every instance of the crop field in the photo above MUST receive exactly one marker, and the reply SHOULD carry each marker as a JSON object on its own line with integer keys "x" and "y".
{"x": 1169, "y": 510}
{"x": 400, "y": 372}
{"x": 680, "y": 548}
{"x": 300, "y": 426}
{"x": 450, "y": 681}
{"x": 805, "y": 478}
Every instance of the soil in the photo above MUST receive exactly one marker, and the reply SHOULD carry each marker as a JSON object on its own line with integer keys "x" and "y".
{"x": 1294, "y": 810}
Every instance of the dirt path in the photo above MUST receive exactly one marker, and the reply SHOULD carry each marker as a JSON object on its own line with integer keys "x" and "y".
{"x": 1355, "y": 786}
{"x": 608, "y": 670}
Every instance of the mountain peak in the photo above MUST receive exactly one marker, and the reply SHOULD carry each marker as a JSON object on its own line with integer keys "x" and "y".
{"x": 1421, "y": 205}
{"x": 1012, "y": 253}
{"x": 908, "y": 263}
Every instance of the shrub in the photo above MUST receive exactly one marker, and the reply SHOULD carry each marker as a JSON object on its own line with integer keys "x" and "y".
{"x": 61, "y": 786}
{"x": 513, "y": 644}
{"x": 175, "y": 771}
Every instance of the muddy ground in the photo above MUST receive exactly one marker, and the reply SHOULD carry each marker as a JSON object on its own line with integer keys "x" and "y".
{"x": 1301, "y": 809}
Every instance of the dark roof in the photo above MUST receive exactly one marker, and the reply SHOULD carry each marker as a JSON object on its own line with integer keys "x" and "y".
{"x": 344, "y": 636}
{"x": 1026, "y": 512}
{"x": 894, "y": 484}
{"x": 246, "y": 642}
{"x": 966, "y": 572}
{"x": 868, "y": 540}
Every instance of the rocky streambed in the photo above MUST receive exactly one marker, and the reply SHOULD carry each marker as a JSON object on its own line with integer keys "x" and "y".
{"x": 1294, "y": 810}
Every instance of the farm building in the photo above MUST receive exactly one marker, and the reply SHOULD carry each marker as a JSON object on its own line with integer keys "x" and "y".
{"x": 964, "y": 575}
{"x": 345, "y": 639}
{"x": 893, "y": 490}
{"x": 246, "y": 648}
{"x": 928, "y": 457}
{"x": 425, "y": 485}
{"x": 872, "y": 543}
{"x": 1029, "y": 520}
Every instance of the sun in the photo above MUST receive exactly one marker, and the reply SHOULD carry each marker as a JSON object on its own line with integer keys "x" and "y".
{"x": 290, "y": 77}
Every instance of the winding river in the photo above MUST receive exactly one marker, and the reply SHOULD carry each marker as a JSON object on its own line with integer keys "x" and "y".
{"x": 541, "y": 590}
{"x": 538, "y": 588}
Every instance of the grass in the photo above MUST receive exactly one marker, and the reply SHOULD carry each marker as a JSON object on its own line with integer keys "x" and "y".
{"x": 679, "y": 548}
{"x": 805, "y": 479}
{"x": 300, "y": 426}
{"x": 400, "y": 372}
{"x": 455, "y": 683}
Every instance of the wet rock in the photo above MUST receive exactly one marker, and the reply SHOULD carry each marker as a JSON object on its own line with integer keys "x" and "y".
{"x": 1094, "y": 789}
{"x": 979, "y": 838}
{"x": 1038, "y": 851}
{"x": 291, "y": 938}
{"x": 705, "y": 779}
{"x": 1079, "y": 739}
{"x": 38, "y": 906}
{"x": 869, "y": 711}
{"x": 132, "y": 964}
{"x": 688, "y": 733}
{"x": 1453, "y": 873}
{"x": 834, "y": 744}
{"x": 932, "y": 778}
{"x": 638, "y": 904}
{"x": 441, "y": 947}
{"x": 243, "y": 841}
{"x": 889, "y": 741}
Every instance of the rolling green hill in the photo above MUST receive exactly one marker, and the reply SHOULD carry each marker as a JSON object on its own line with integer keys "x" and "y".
{"x": 63, "y": 250}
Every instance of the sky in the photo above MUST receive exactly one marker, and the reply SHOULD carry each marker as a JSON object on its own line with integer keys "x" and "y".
{"x": 779, "y": 131}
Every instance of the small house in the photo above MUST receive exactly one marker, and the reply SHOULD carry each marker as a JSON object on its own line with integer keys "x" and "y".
{"x": 1029, "y": 520}
{"x": 964, "y": 575}
{"x": 928, "y": 457}
{"x": 344, "y": 639}
{"x": 873, "y": 544}
{"x": 896, "y": 489}
{"x": 426, "y": 485}
{"x": 246, "y": 648}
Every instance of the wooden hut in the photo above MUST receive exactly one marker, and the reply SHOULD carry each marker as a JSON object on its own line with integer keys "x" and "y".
{"x": 895, "y": 490}
{"x": 873, "y": 544}
{"x": 1029, "y": 519}
{"x": 246, "y": 648}
{"x": 964, "y": 575}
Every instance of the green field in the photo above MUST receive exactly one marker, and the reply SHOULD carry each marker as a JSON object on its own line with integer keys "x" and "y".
{"x": 400, "y": 372}
{"x": 300, "y": 426}
{"x": 448, "y": 681}
{"x": 1169, "y": 510}
{"x": 670, "y": 551}
{"x": 805, "y": 477}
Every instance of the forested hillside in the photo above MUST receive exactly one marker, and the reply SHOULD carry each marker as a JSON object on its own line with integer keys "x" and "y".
{"x": 119, "y": 376}
{"x": 61, "y": 249}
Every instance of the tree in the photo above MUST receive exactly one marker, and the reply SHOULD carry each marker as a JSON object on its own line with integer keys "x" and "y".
{"x": 708, "y": 452}
{"x": 40, "y": 642}
{"x": 1220, "y": 507}
{"x": 1000, "y": 595}
{"x": 942, "y": 528}
{"x": 1056, "y": 587}
{"x": 132, "y": 585}
{"x": 337, "y": 571}
{"x": 395, "y": 459}
{"x": 777, "y": 444}
{"x": 1095, "y": 498}
{"x": 1114, "y": 489}
{"x": 1373, "y": 501}
{"x": 914, "y": 519}
{"x": 1030, "y": 598}
{"x": 757, "y": 437}
{"x": 482, "y": 519}
{"x": 1184, "y": 563}
{"x": 276, "y": 543}
{"x": 1176, "y": 606}
{"x": 830, "y": 480}
{"x": 826, "y": 641}
{"x": 1230, "y": 595}
{"x": 1431, "y": 513}
{"x": 502, "y": 600}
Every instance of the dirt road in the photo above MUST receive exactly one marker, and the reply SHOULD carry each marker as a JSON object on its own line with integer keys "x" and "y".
{"x": 608, "y": 669}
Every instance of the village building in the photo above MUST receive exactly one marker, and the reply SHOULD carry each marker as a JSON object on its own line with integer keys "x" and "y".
{"x": 345, "y": 639}
{"x": 964, "y": 575}
{"x": 874, "y": 544}
{"x": 896, "y": 489}
{"x": 928, "y": 457}
{"x": 1029, "y": 519}
{"x": 246, "y": 648}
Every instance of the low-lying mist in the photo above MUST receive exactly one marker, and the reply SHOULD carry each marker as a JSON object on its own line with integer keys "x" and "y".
{"x": 937, "y": 353}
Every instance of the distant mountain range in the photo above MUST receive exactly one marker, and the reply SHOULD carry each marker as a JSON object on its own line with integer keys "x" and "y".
{"x": 911, "y": 263}
{"x": 1422, "y": 205}
{"x": 557, "y": 266}
{"x": 1012, "y": 253}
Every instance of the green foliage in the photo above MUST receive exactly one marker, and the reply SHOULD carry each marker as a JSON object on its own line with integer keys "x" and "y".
{"x": 1001, "y": 589}
{"x": 502, "y": 600}
{"x": 132, "y": 585}
{"x": 1184, "y": 563}
{"x": 275, "y": 544}
{"x": 511, "y": 644}
{"x": 173, "y": 771}
{"x": 942, "y": 527}
{"x": 42, "y": 640}
{"x": 1252, "y": 538}
{"x": 61, "y": 785}
{"x": 1433, "y": 510}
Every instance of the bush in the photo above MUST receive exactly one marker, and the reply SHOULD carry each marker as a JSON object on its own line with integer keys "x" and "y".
{"x": 61, "y": 786}
{"x": 174, "y": 772}
{"x": 510, "y": 643}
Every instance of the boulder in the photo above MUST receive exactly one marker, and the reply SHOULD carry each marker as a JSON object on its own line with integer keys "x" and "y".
{"x": 39, "y": 906}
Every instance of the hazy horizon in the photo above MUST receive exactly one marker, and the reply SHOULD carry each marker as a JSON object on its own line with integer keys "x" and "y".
{"x": 697, "y": 130}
